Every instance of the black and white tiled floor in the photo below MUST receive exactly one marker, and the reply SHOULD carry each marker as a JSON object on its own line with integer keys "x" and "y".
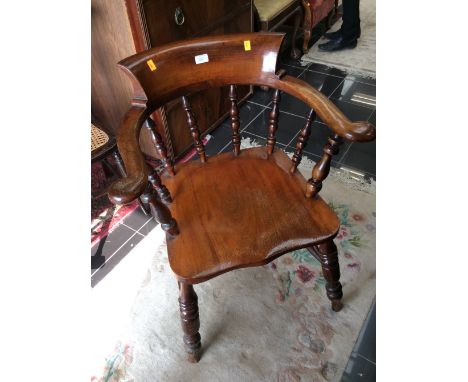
{"x": 354, "y": 96}
{"x": 106, "y": 254}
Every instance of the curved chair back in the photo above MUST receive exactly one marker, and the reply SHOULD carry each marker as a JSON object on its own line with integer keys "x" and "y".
{"x": 164, "y": 73}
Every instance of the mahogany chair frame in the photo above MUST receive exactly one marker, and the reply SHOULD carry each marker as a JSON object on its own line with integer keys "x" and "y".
{"x": 307, "y": 23}
{"x": 179, "y": 69}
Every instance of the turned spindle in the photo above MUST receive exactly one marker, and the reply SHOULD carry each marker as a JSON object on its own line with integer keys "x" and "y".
{"x": 192, "y": 123}
{"x": 160, "y": 146}
{"x": 160, "y": 188}
{"x": 273, "y": 117}
{"x": 161, "y": 213}
{"x": 302, "y": 140}
{"x": 322, "y": 167}
{"x": 234, "y": 112}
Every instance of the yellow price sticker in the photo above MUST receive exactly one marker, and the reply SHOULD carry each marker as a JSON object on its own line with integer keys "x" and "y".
{"x": 247, "y": 45}
{"x": 151, "y": 65}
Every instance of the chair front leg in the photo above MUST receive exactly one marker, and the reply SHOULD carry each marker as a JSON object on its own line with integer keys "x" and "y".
{"x": 327, "y": 254}
{"x": 307, "y": 25}
{"x": 295, "y": 52}
{"x": 188, "y": 303}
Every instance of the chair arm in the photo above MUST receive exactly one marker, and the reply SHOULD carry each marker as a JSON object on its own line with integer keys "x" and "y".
{"x": 125, "y": 190}
{"x": 327, "y": 111}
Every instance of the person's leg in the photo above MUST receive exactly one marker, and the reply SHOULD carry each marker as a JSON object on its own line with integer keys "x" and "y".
{"x": 351, "y": 28}
{"x": 351, "y": 22}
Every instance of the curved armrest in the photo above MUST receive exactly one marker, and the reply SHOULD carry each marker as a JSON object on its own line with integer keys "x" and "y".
{"x": 126, "y": 190}
{"x": 327, "y": 111}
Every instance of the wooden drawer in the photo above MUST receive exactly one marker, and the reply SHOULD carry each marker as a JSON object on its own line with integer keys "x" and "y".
{"x": 200, "y": 18}
{"x": 196, "y": 17}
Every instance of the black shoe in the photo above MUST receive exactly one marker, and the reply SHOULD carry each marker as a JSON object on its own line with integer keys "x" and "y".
{"x": 334, "y": 45}
{"x": 333, "y": 35}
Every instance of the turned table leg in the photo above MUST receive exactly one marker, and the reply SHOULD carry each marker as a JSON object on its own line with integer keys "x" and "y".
{"x": 188, "y": 303}
{"x": 327, "y": 254}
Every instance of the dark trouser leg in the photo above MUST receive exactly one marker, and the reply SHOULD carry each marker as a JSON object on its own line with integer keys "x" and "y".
{"x": 188, "y": 303}
{"x": 351, "y": 28}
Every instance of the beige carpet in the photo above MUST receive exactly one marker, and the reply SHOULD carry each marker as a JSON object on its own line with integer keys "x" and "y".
{"x": 271, "y": 323}
{"x": 360, "y": 60}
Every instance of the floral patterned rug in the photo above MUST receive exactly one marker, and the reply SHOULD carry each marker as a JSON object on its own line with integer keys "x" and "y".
{"x": 271, "y": 323}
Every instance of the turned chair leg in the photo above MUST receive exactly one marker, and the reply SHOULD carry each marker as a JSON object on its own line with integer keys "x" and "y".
{"x": 307, "y": 26}
{"x": 327, "y": 254}
{"x": 188, "y": 303}
{"x": 295, "y": 52}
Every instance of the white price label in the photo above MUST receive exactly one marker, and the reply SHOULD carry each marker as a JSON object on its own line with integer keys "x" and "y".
{"x": 201, "y": 59}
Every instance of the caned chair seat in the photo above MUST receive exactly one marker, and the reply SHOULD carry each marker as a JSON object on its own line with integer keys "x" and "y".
{"x": 98, "y": 138}
{"x": 102, "y": 143}
{"x": 214, "y": 235}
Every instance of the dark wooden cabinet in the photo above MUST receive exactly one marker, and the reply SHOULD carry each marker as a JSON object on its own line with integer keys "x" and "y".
{"x": 143, "y": 24}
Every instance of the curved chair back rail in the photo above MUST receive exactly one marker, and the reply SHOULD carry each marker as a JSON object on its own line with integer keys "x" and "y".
{"x": 162, "y": 74}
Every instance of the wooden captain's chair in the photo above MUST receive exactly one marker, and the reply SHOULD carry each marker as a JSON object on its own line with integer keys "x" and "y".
{"x": 242, "y": 208}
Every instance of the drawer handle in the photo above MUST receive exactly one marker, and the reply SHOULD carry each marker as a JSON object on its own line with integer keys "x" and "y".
{"x": 179, "y": 16}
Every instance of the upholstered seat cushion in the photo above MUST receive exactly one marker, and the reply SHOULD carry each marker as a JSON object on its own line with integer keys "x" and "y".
{"x": 255, "y": 211}
{"x": 268, "y": 9}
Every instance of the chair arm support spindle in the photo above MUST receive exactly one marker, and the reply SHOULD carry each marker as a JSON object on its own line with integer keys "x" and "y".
{"x": 322, "y": 167}
{"x": 160, "y": 188}
{"x": 194, "y": 130}
{"x": 234, "y": 113}
{"x": 302, "y": 140}
{"x": 160, "y": 146}
{"x": 273, "y": 117}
